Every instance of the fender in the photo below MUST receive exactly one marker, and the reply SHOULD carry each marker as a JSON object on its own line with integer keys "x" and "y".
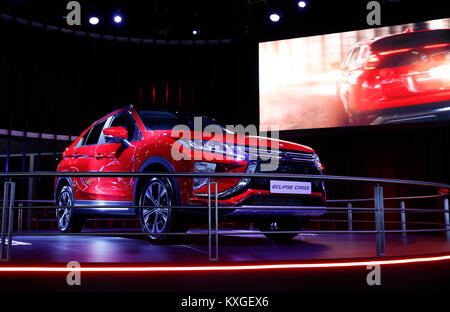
{"x": 166, "y": 164}
{"x": 57, "y": 184}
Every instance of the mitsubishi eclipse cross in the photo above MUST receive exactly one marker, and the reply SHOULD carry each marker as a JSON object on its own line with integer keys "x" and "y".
{"x": 130, "y": 140}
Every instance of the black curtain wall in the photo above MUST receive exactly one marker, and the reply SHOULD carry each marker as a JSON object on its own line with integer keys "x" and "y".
{"x": 60, "y": 83}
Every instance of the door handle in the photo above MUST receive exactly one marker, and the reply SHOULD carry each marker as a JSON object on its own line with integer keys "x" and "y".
{"x": 99, "y": 156}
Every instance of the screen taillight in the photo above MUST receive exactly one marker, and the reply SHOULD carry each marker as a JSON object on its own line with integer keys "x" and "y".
{"x": 372, "y": 62}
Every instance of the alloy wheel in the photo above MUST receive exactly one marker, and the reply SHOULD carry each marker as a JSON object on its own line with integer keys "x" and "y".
{"x": 63, "y": 214}
{"x": 155, "y": 216}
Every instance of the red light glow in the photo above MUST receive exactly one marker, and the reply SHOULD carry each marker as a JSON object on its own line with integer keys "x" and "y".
{"x": 226, "y": 267}
{"x": 435, "y": 46}
{"x": 394, "y": 51}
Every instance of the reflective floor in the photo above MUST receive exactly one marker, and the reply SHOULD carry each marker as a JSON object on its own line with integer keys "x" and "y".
{"x": 194, "y": 249}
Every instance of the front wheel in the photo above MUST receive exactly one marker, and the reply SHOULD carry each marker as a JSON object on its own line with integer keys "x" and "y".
{"x": 156, "y": 216}
{"x": 68, "y": 221}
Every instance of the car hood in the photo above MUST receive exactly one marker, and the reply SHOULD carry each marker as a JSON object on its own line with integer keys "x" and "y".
{"x": 248, "y": 141}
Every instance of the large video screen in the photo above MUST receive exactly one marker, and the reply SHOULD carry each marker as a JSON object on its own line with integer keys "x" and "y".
{"x": 393, "y": 74}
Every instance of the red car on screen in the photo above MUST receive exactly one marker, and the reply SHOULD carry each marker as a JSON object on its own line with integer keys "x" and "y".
{"x": 129, "y": 140}
{"x": 398, "y": 78}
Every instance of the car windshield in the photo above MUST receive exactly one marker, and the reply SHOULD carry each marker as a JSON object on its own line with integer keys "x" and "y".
{"x": 160, "y": 120}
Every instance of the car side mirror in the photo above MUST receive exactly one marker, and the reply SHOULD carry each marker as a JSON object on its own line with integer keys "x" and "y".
{"x": 117, "y": 135}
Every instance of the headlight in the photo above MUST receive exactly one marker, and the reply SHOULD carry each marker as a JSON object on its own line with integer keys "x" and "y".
{"x": 317, "y": 162}
{"x": 203, "y": 167}
{"x": 207, "y": 167}
{"x": 216, "y": 147}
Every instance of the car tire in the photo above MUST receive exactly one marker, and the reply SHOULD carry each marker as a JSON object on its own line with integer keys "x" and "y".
{"x": 67, "y": 220}
{"x": 154, "y": 220}
{"x": 282, "y": 224}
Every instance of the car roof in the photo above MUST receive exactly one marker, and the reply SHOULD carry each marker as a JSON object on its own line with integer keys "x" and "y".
{"x": 377, "y": 40}
{"x": 374, "y": 40}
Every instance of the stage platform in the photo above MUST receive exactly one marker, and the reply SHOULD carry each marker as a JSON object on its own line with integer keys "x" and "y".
{"x": 239, "y": 247}
{"x": 237, "y": 250}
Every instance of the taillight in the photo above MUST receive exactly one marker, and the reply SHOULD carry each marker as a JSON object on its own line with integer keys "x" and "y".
{"x": 372, "y": 62}
{"x": 374, "y": 59}
{"x": 436, "y": 46}
{"x": 395, "y": 51}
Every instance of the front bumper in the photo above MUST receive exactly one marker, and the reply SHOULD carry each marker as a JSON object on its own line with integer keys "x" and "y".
{"x": 274, "y": 211}
{"x": 263, "y": 204}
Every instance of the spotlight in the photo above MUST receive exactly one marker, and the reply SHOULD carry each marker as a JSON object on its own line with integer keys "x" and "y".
{"x": 274, "y": 17}
{"x": 301, "y": 4}
{"x": 117, "y": 19}
{"x": 195, "y": 32}
{"x": 94, "y": 20}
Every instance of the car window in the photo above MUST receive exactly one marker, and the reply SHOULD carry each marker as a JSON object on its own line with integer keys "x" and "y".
{"x": 347, "y": 60}
{"x": 95, "y": 133}
{"x": 365, "y": 53}
{"x": 82, "y": 141}
{"x": 354, "y": 56}
{"x": 160, "y": 120}
{"x": 127, "y": 121}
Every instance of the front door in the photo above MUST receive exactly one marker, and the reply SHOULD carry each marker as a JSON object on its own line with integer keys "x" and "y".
{"x": 85, "y": 160}
{"x": 117, "y": 157}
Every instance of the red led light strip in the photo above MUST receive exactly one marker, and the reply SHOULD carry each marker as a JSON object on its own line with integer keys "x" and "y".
{"x": 226, "y": 267}
{"x": 395, "y": 51}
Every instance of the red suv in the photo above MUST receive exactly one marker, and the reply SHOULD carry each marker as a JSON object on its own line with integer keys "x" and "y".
{"x": 128, "y": 140}
{"x": 398, "y": 78}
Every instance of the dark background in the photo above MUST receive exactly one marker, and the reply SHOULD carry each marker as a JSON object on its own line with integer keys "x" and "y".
{"x": 55, "y": 82}
{"x": 60, "y": 83}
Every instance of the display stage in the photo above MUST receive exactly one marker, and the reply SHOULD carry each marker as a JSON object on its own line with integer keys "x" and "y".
{"x": 239, "y": 247}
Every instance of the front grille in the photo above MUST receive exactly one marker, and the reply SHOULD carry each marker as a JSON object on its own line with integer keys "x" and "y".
{"x": 299, "y": 157}
{"x": 262, "y": 154}
{"x": 290, "y": 168}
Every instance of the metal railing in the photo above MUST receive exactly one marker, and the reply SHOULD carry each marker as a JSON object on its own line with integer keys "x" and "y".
{"x": 379, "y": 210}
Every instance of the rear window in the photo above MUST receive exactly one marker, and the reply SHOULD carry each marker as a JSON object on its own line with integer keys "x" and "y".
{"x": 411, "y": 40}
{"x": 415, "y": 57}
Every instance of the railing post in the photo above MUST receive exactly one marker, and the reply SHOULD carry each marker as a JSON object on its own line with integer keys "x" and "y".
{"x": 11, "y": 219}
{"x": 350, "y": 217}
{"x": 216, "y": 257}
{"x": 30, "y": 192}
{"x": 447, "y": 218}
{"x": 403, "y": 217}
{"x": 379, "y": 221}
{"x": 217, "y": 220}
{"x": 8, "y": 202}
{"x": 5, "y": 203}
{"x": 20, "y": 218}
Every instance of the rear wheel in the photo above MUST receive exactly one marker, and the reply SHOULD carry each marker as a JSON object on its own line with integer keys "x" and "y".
{"x": 68, "y": 221}
{"x": 156, "y": 216}
{"x": 282, "y": 224}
